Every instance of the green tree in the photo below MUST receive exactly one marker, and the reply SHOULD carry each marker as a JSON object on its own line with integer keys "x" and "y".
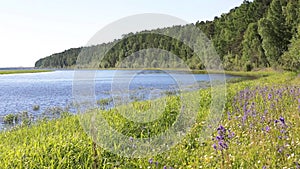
{"x": 274, "y": 33}
{"x": 291, "y": 14}
{"x": 253, "y": 52}
{"x": 291, "y": 58}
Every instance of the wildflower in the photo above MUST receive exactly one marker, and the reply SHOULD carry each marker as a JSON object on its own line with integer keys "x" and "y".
{"x": 222, "y": 138}
{"x": 229, "y": 116}
{"x": 267, "y": 129}
{"x": 165, "y": 167}
{"x": 231, "y": 135}
{"x": 131, "y": 138}
{"x": 280, "y": 150}
{"x": 215, "y": 146}
{"x": 244, "y": 118}
{"x": 221, "y": 144}
{"x": 264, "y": 167}
{"x": 150, "y": 161}
{"x": 221, "y": 128}
{"x": 269, "y": 96}
{"x": 224, "y": 145}
{"x": 282, "y": 120}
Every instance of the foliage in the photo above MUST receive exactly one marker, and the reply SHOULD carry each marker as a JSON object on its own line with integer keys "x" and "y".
{"x": 274, "y": 32}
{"x": 253, "y": 53}
{"x": 291, "y": 58}
{"x": 10, "y": 119}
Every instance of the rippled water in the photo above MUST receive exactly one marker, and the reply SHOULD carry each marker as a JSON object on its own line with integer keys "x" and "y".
{"x": 21, "y": 92}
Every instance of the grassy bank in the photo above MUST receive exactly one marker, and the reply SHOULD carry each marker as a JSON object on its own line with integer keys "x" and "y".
{"x": 3, "y": 72}
{"x": 259, "y": 128}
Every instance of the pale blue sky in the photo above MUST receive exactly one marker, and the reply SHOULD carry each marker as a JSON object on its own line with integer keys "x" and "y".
{"x": 32, "y": 29}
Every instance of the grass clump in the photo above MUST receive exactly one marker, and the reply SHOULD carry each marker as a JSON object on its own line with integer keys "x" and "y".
{"x": 10, "y": 119}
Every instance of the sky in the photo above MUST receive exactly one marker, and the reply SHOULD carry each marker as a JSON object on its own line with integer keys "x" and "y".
{"x": 33, "y": 29}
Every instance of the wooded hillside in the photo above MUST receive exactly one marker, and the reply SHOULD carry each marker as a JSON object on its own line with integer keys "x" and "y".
{"x": 258, "y": 34}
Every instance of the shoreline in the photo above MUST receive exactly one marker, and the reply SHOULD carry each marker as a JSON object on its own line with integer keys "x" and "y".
{"x": 7, "y": 72}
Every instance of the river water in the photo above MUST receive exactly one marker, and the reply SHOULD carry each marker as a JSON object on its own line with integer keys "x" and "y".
{"x": 21, "y": 92}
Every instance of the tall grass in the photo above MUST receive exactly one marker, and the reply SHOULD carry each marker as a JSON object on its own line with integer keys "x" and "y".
{"x": 260, "y": 128}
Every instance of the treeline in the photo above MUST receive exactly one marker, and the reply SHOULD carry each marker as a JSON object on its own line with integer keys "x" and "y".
{"x": 258, "y": 34}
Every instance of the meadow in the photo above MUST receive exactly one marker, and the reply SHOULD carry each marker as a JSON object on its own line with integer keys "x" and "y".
{"x": 259, "y": 128}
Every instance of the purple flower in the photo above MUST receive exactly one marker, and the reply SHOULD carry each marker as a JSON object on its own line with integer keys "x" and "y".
{"x": 282, "y": 120}
{"x": 267, "y": 129}
{"x": 264, "y": 167}
{"x": 150, "y": 161}
{"x": 269, "y": 96}
{"x": 131, "y": 138}
{"x": 280, "y": 150}
{"x": 244, "y": 118}
{"x": 276, "y": 121}
{"x": 225, "y": 145}
{"x": 229, "y": 116}
{"x": 231, "y": 135}
{"x": 220, "y": 143}
{"x": 221, "y": 128}
{"x": 165, "y": 167}
{"x": 215, "y": 146}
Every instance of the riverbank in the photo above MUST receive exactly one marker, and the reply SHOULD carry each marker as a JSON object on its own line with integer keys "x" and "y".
{"x": 5, "y": 72}
{"x": 259, "y": 129}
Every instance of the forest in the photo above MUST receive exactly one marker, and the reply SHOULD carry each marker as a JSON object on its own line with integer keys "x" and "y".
{"x": 258, "y": 34}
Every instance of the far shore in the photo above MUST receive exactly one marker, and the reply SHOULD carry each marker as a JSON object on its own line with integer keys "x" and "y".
{"x": 3, "y": 72}
{"x": 254, "y": 73}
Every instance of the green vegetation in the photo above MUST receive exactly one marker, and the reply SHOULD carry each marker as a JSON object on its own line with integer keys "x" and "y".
{"x": 22, "y": 71}
{"x": 10, "y": 119}
{"x": 255, "y": 35}
{"x": 259, "y": 129}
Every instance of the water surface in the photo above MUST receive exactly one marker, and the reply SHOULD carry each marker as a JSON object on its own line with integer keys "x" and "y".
{"x": 21, "y": 92}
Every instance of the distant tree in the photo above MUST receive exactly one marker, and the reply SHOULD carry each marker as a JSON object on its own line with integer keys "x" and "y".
{"x": 274, "y": 33}
{"x": 291, "y": 58}
{"x": 291, "y": 12}
{"x": 253, "y": 52}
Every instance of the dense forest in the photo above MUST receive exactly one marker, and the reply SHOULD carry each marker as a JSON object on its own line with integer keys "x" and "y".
{"x": 258, "y": 34}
